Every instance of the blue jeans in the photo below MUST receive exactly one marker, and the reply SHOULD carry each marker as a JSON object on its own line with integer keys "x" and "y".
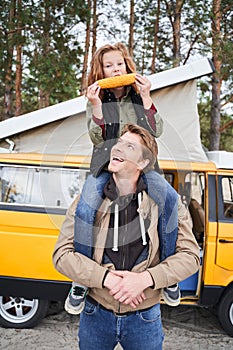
{"x": 92, "y": 196}
{"x": 100, "y": 329}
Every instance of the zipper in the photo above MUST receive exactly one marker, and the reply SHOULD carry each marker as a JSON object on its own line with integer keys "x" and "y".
{"x": 125, "y": 223}
{"x": 123, "y": 245}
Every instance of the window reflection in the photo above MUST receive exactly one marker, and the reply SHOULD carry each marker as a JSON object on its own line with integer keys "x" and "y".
{"x": 47, "y": 187}
{"x": 227, "y": 191}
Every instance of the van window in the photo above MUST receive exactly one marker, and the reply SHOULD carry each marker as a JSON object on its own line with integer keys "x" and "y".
{"x": 170, "y": 178}
{"x": 196, "y": 186}
{"x": 40, "y": 186}
{"x": 193, "y": 197}
{"x": 227, "y": 193}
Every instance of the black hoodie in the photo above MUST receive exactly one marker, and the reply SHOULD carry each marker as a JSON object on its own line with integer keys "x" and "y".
{"x": 124, "y": 219}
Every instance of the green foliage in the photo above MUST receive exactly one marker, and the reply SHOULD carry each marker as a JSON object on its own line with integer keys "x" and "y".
{"x": 226, "y": 134}
{"x": 52, "y": 35}
{"x": 52, "y": 49}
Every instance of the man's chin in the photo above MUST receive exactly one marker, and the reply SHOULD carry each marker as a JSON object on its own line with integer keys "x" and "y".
{"x": 115, "y": 168}
{"x": 111, "y": 168}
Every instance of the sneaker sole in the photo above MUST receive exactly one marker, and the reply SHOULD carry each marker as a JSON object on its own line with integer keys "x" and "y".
{"x": 169, "y": 302}
{"x": 72, "y": 310}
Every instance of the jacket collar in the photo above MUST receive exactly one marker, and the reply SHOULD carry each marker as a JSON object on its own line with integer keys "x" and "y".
{"x": 112, "y": 193}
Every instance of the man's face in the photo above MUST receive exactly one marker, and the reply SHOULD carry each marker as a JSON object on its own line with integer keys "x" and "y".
{"x": 126, "y": 156}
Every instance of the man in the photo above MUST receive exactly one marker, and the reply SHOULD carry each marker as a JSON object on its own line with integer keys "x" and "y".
{"x": 126, "y": 276}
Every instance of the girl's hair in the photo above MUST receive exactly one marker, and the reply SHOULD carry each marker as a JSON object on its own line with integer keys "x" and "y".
{"x": 96, "y": 66}
{"x": 150, "y": 149}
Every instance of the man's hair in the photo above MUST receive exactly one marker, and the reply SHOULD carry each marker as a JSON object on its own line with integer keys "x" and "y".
{"x": 96, "y": 66}
{"x": 150, "y": 149}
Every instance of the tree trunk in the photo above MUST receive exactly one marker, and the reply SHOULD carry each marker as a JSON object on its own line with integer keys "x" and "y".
{"x": 94, "y": 27}
{"x": 8, "y": 77}
{"x": 18, "y": 78}
{"x": 216, "y": 79}
{"x": 174, "y": 14}
{"x": 86, "y": 54}
{"x": 142, "y": 68}
{"x": 18, "y": 81}
{"x": 156, "y": 31}
{"x": 176, "y": 33}
{"x": 131, "y": 28}
{"x": 43, "y": 93}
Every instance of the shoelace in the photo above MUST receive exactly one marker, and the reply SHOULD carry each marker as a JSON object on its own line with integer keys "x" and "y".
{"x": 78, "y": 291}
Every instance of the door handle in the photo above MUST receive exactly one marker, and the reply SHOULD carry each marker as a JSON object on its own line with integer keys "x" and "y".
{"x": 225, "y": 241}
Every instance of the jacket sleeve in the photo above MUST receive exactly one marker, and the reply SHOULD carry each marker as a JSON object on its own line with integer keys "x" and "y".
{"x": 76, "y": 266}
{"x": 95, "y": 130}
{"x": 154, "y": 121}
{"x": 185, "y": 262}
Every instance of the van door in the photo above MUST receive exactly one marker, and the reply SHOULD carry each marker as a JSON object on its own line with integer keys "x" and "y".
{"x": 33, "y": 202}
{"x": 225, "y": 222}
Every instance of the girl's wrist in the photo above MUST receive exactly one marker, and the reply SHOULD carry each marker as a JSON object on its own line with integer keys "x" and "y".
{"x": 97, "y": 110}
{"x": 95, "y": 103}
{"x": 147, "y": 102}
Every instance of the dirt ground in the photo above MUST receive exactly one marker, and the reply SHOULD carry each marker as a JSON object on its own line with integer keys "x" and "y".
{"x": 185, "y": 327}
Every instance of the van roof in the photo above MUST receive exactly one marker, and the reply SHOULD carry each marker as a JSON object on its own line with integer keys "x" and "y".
{"x": 222, "y": 159}
{"x": 77, "y": 105}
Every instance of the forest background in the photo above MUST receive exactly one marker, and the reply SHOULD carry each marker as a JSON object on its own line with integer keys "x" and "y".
{"x": 46, "y": 47}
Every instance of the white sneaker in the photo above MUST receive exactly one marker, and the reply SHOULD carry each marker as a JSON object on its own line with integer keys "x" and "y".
{"x": 171, "y": 295}
{"x": 75, "y": 300}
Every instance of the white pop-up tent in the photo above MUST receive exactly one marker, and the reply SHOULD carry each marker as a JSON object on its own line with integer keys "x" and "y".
{"x": 62, "y": 129}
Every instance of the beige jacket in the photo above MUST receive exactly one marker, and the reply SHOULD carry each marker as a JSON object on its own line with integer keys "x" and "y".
{"x": 90, "y": 273}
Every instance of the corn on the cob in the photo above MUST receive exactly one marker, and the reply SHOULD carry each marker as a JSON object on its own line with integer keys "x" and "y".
{"x": 117, "y": 81}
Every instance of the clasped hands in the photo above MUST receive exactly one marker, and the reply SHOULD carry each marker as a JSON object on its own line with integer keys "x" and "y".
{"x": 128, "y": 287}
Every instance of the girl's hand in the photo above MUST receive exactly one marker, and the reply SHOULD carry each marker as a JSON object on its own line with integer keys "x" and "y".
{"x": 144, "y": 86}
{"x": 93, "y": 94}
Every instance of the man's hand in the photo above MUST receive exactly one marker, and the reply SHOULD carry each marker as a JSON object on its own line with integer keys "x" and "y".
{"x": 129, "y": 290}
{"x": 111, "y": 280}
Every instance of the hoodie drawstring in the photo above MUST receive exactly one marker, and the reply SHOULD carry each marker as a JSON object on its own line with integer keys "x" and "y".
{"x": 142, "y": 224}
{"x": 116, "y": 224}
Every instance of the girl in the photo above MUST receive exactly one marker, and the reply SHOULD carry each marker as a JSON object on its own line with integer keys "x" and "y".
{"x": 108, "y": 111}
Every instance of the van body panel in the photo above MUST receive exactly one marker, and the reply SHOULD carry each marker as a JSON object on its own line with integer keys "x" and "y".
{"x": 31, "y": 238}
{"x": 224, "y": 242}
{"x": 209, "y": 255}
{"x": 224, "y": 252}
{"x": 210, "y": 295}
{"x": 33, "y": 288}
{"x": 60, "y": 160}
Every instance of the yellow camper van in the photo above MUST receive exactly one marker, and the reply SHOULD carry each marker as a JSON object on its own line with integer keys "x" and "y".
{"x": 35, "y": 193}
